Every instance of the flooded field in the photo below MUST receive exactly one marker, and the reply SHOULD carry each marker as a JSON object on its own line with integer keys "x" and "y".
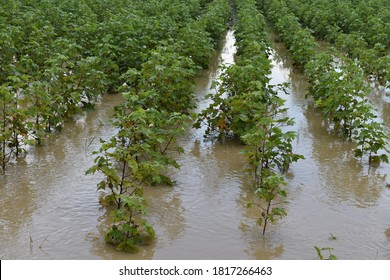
{"x": 50, "y": 210}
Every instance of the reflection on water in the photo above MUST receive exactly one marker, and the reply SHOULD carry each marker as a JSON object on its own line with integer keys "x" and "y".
{"x": 50, "y": 210}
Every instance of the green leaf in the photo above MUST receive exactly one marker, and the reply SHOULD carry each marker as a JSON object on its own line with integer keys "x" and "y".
{"x": 243, "y": 117}
{"x": 384, "y": 158}
{"x": 319, "y": 252}
{"x": 358, "y": 153}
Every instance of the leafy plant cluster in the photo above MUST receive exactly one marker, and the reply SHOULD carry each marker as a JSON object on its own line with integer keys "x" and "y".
{"x": 58, "y": 56}
{"x": 248, "y": 108}
{"x": 360, "y": 29}
{"x": 159, "y": 95}
{"x": 336, "y": 84}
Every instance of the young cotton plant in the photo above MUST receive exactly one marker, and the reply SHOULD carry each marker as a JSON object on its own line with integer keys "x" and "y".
{"x": 136, "y": 156}
{"x": 269, "y": 151}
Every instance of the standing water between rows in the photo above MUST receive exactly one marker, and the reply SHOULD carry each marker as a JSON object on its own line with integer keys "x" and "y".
{"x": 50, "y": 210}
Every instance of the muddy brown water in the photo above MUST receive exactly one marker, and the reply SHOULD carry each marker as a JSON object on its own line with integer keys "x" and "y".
{"x": 49, "y": 209}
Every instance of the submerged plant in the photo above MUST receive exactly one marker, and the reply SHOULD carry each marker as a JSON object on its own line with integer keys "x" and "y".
{"x": 320, "y": 253}
{"x": 371, "y": 141}
{"x": 136, "y": 156}
{"x": 269, "y": 151}
{"x": 269, "y": 198}
{"x": 128, "y": 230}
{"x": 332, "y": 237}
{"x": 247, "y": 107}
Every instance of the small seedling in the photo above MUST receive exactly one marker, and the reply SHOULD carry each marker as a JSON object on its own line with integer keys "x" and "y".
{"x": 321, "y": 257}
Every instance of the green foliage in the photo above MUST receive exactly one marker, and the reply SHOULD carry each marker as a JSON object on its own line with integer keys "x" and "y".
{"x": 358, "y": 28}
{"x": 128, "y": 231}
{"x": 57, "y": 57}
{"x": 298, "y": 40}
{"x": 159, "y": 93}
{"x": 214, "y": 19}
{"x": 320, "y": 253}
{"x": 269, "y": 146}
{"x": 337, "y": 82}
{"x": 371, "y": 140}
{"x": 195, "y": 42}
{"x": 170, "y": 75}
{"x": 246, "y": 107}
{"x": 268, "y": 189}
{"x": 136, "y": 156}
{"x": 340, "y": 91}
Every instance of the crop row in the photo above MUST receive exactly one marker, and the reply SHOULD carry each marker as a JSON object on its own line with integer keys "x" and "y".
{"x": 360, "y": 29}
{"x": 369, "y": 19}
{"x": 248, "y": 108}
{"x": 158, "y": 98}
{"x": 59, "y": 56}
{"x": 336, "y": 84}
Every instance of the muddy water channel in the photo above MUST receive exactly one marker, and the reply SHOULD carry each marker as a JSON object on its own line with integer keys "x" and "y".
{"x": 49, "y": 208}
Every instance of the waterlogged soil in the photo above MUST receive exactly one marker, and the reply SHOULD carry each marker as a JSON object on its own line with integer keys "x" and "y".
{"x": 49, "y": 209}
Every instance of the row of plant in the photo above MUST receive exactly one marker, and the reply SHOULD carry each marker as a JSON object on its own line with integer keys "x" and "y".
{"x": 370, "y": 19}
{"x": 336, "y": 84}
{"x": 247, "y": 107}
{"x": 360, "y": 29}
{"x": 158, "y": 99}
{"x": 58, "y": 56}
